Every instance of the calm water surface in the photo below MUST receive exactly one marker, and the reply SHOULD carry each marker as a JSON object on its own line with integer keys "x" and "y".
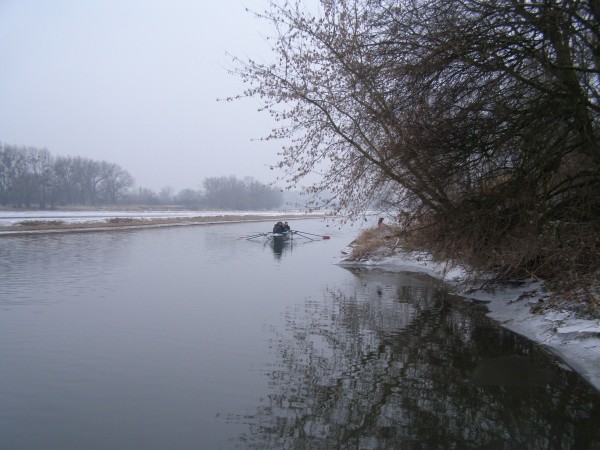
{"x": 192, "y": 338}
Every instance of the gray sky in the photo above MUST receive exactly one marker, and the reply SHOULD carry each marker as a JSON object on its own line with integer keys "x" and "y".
{"x": 135, "y": 82}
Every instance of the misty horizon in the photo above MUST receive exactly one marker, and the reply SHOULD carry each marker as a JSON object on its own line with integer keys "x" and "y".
{"x": 137, "y": 86}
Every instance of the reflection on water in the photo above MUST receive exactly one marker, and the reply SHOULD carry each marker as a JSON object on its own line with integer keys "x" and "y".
{"x": 57, "y": 268}
{"x": 193, "y": 337}
{"x": 389, "y": 363}
{"x": 279, "y": 246}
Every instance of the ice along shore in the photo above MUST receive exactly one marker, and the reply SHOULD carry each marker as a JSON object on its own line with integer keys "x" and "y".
{"x": 575, "y": 340}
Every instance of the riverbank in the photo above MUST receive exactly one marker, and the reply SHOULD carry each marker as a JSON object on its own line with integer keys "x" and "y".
{"x": 525, "y": 306}
{"x": 101, "y": 220}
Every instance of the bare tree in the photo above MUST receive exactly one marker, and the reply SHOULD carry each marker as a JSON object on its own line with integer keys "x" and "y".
{"x": 88, "y": 179}
{"x": 232, "y": 193}
{"x": 142, "y": 196}
{"x": 477, "y": 121}
{"x": 26, "y": 175}
{"x": 31, "y": 176}
{"x": 189, "y": 198}
{"x": 41, "y": 163}
{"x": 115, "y": 181}
{"x": 166, "y": 195}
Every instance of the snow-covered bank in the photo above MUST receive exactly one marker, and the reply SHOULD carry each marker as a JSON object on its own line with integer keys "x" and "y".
{"x": 32, "y": 222}
{"x": 516, "y": 307}
{"x": 13, "y": 217}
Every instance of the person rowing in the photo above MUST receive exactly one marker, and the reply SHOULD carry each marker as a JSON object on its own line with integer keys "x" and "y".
{"x": 279, "y": 228}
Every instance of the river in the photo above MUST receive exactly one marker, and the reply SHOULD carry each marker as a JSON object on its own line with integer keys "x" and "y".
{"x": 195, "y": 337}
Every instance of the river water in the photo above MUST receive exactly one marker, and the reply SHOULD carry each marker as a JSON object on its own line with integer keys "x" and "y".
{"x": 196, "y": 338}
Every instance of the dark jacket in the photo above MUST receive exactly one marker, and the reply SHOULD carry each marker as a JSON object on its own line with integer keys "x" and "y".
{"x": 278, "y": 228}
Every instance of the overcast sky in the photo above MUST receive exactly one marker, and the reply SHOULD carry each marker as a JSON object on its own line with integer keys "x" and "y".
{"x": 135, "y": 82}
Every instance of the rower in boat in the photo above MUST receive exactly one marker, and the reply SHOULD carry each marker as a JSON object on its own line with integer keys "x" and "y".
{"x": 279, "y": 228}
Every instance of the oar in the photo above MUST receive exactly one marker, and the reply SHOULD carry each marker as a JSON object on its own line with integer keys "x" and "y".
{"x": 302, "y": 236}
{"x": 254, "y": 236}
{"x": 311, "y": 234}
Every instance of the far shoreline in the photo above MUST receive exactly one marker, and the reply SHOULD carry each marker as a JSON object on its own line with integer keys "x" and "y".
{"x": 31, "y": 227}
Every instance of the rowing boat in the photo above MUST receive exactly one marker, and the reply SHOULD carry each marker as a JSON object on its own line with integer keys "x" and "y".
{"x": 280, "y": 237}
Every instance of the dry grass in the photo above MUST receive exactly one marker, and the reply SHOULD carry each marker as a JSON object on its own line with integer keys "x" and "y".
{"x": 122, "y": 220}
{"x": 40, "y": 223}
{"x": 374, "y": 243}
{"x": 580, "y": 294}
{"x": 574, "y": 288}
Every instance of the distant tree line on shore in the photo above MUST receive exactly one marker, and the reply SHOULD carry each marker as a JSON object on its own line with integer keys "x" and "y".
{"x": 32, "y": 177}
{"x": 225, "y": 192}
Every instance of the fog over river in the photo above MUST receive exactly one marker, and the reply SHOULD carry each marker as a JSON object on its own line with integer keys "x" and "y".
{"x": 195, "y": 337}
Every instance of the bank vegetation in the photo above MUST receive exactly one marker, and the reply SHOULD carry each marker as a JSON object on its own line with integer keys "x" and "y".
{"x": 474, "y": 123}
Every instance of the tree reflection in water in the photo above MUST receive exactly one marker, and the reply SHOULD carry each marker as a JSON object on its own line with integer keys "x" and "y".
{"x": 393, "y": 362}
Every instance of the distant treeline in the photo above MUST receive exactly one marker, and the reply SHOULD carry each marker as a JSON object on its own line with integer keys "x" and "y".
{"x": 32, "y": 177}
{"x": 226, "y": 192}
